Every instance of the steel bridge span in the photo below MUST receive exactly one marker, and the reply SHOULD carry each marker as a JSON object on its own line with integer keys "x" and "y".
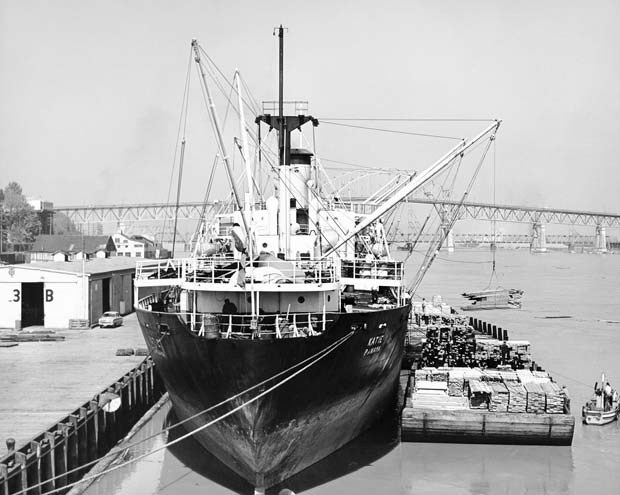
{"x": 157, "y": 212}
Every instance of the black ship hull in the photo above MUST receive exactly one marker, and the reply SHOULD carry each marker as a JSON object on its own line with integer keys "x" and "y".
{"x": 301, "y": 421}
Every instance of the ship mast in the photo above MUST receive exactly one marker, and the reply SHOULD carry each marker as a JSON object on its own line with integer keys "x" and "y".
{"x": 283, "y": 175}
{"x": 284, "y": 124}
{"x": 250, "y": 197}
{"x": 218, "y": 133}
{"x": 282, "y": 127}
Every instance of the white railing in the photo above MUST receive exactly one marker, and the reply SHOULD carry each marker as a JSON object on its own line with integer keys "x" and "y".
{"x": 220, "y": 270}
{"x": 230, "y": 326}
{"x": 373, "y": 269}
{"x": 263, "y": 326}
{"x": 164, "y": 268}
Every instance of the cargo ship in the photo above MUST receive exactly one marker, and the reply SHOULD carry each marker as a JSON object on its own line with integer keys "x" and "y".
{"x": 281, "y": 338}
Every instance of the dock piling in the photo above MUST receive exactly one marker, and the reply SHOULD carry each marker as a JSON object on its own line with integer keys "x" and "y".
{"x": 4, "y": 476}
{"x": 33, "y": 467}
{"x": 48, "y": 464}
{"x": 22, "y": 478}
{"x": 10, "y": 445}
{"x": 72, "y": 447}
{"x": 61, "y": 455}
{"x": 93, "y": 430}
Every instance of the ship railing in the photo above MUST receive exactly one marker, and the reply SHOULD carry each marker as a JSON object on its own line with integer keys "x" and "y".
{"x": 277, "y": 326}
{"x": 147, "y": 301}
{"x": 213, "y": 270}
{"x": 373, "y": 269}
{"x": 220, "y": 269}
{"x": 163, "y": 269}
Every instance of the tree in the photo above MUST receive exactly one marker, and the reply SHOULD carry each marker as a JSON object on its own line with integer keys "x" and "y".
{"x": 20, "y": 222}
{"x": 64, "y": 225}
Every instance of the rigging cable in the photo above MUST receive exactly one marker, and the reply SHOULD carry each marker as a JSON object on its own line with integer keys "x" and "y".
{"x": 392, "y": 131}
{"x": 432, "y": 251}
{"x": 183, "y": 114}
{"x": 206, "y": 197}
{"x": 176, "y": 206}
{"x": 430, "y": 213}
{"x": 407, "y": 120}
{"x": 494, "y": 244}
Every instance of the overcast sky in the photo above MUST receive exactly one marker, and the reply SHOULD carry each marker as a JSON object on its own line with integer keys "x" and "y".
{"x": 90, "y": 92}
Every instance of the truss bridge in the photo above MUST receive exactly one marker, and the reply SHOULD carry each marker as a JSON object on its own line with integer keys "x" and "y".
{"x": 149, "y": 217}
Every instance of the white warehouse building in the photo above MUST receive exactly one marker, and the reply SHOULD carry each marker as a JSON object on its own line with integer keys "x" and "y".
{"x": 51, "y": 294}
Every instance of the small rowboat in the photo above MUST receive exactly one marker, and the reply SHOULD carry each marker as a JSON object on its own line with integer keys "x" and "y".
{"x": 595, "y": 412}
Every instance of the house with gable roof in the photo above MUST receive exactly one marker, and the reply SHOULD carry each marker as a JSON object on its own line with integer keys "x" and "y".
{"x": 71, "y": 247}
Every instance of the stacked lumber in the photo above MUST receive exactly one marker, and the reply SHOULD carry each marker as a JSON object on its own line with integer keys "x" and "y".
{"x": 497, "y": 390}
{"x": 430, "y": 387}
{"x": 441, "y": 402}
{"x": 440, "y": 375}
{"x": 456, "y": 382}
{"x": 479, "y": 393}
{"x": 75, "y": 323}
{"x": 455, "y": 345}
{"x": 491, "y": 375}
{"x": 517, "y": 397}
{"x": 536, "y": 399}
{"x": 423, "y": 374}
{"x": 543, "y": 376}
{"x": 554, "y": 398}
{"x": 471, "y": 374}
{"x": 39, "y": 336}
{"x": 499, "y": 397}
{"x": 520, "y": 349}
{"x": 525, "y": 376}
{"x": 509, "y": 376}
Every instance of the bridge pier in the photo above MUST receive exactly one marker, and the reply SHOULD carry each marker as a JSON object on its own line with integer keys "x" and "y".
{"x": 448, "y": 243}
{"x": 539, "y": 238}
{"x": 600, "y": 239}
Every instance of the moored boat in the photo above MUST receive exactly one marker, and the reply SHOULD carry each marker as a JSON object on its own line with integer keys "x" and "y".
{"x": 281, "y": 338}
{"x": 604, "y": 407}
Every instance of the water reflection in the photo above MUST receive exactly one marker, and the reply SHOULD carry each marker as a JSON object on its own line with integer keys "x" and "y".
{"x": 364, "y": 450}
{"x": 486, "y": 469}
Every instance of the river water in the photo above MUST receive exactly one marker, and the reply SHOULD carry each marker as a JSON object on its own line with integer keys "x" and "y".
{"x": 583, "y": 288}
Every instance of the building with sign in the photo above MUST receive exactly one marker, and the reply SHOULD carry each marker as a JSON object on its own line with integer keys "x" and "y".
{"x": 57, "y": 294}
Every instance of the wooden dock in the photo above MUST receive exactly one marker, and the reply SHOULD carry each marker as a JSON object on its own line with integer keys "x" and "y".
{"x": 41, "y": 381}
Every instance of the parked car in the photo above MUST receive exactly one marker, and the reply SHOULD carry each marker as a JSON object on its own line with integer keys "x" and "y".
{"x": 110, "y": 319}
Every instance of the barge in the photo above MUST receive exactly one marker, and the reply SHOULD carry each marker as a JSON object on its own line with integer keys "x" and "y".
{"x": 472, "y": 388}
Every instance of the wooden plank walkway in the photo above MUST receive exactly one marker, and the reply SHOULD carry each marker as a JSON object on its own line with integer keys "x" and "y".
{"x": 40, "y": 382}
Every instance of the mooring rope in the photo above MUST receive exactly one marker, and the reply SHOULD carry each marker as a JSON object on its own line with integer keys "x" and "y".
{"x": 313, "y": 360}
